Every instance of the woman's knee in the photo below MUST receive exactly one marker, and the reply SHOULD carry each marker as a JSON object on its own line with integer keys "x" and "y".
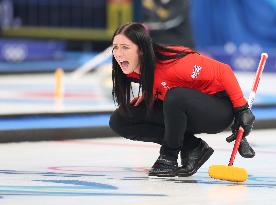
{"x": 120, "y": 124}
{"x": 115, "y": 121}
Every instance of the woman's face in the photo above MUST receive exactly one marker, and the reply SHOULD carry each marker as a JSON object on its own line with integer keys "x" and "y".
{"x": 126, "y": 54}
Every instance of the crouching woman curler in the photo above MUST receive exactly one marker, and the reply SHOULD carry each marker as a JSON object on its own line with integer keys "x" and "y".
{"x": 182, "y": 93}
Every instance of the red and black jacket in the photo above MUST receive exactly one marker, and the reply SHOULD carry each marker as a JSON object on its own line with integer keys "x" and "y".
{"x": 197, "y": 72}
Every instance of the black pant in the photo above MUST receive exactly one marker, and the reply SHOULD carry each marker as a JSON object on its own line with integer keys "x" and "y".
{"x": 174, "y": 122}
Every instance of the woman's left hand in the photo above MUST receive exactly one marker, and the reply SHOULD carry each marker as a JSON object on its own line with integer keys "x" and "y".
{"x": 137, "y": 100}
{"x": 243, "y": 118}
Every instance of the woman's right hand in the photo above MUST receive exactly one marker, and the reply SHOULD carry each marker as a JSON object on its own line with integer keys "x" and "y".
{"x": 137, "y": 100}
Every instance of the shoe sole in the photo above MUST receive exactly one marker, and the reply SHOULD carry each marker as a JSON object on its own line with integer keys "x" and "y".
{"x": 202, "y": 160}
{"x": 163, "y": 175}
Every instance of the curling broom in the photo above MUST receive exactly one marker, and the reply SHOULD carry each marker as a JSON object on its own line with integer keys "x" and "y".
{"x": 231, "y": 173}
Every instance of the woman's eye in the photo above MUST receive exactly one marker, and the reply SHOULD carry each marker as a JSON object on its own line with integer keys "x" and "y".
{"x": 114, "y": 49}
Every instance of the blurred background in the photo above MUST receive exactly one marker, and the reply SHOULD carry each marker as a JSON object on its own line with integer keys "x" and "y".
{"x": 55, "y": 65}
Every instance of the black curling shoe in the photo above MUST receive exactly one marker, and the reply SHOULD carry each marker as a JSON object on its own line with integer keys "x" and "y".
{"x": 192, "y": 160}
{"x": 164, "y": 167}
{"x": 245, "y": 149}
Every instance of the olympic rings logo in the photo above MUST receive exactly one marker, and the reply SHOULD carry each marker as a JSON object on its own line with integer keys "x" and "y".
{"x": 14, "y": 52}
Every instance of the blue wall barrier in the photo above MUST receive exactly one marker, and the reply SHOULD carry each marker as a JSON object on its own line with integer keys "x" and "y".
{"x": 17, "y": 50}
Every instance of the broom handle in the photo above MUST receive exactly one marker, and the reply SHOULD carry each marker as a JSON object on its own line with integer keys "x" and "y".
{"x": 251, "y": 99}
{"x": 236, "y": 146}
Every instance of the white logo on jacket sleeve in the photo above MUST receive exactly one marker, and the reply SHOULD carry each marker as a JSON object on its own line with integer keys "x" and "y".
{"x": 196, "y": 71}
{"x": 164, "y": 84}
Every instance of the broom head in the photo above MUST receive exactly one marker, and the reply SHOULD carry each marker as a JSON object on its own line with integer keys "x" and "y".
{"x": 228, "y": 173}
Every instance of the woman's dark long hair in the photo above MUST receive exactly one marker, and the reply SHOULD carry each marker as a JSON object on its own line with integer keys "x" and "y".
{"x": 149, "y": 53}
